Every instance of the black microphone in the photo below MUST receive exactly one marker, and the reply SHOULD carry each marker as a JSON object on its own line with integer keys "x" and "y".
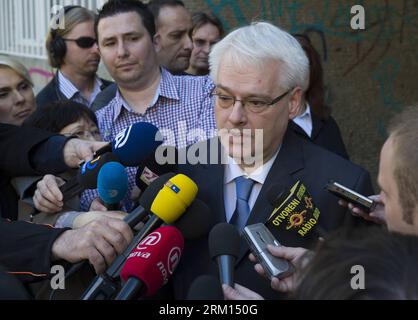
{"x": 205, "y": 287}
{"x": 151, "y": 167}
{"x": 295, "y": 217}
{"x": 196, "y": 222}
{"x": 86, "y": 177}
{"x": 224, "y": 248}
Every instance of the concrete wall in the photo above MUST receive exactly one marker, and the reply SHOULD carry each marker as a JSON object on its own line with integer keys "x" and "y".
{"x": 371, "y": 74}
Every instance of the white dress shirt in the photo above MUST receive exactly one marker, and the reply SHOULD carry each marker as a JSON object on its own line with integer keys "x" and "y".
{"x": 305, "y": 121}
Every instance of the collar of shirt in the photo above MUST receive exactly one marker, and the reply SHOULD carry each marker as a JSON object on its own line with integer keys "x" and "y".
{"x": 232, "y": 171}
{"x": 166, "y": 88}
{"x": 305, "y": 120}
{"x": 70, "y": 91}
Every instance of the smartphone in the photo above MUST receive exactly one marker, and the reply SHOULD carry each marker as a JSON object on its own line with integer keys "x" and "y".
{"x": 349, "y": 195}
{"x": 258, "y": 237}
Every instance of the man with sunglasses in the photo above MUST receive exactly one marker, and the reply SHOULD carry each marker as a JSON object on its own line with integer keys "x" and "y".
{"x": 260, "y": 73}
{"x": 74, "y": 53}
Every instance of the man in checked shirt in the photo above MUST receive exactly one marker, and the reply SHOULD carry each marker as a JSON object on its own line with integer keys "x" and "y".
{"x": 146, "y": 92}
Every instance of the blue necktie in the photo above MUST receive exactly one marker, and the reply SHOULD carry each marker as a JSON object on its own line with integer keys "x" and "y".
{"x": 242, "y": 210}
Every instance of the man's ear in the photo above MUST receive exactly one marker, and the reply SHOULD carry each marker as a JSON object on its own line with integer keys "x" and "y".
{"x": 295, "y": 102}
{"x": 157, "y": 42}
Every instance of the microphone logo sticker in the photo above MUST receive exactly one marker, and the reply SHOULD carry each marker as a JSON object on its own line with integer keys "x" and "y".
{"x": 147, "y": 176}
{"x": 122, "y": 137}
{"x": 173, "y": 259}
{"x": 151, "y": 240}
{"x": 91, "y": 165}
{"x": 172, "y": 186}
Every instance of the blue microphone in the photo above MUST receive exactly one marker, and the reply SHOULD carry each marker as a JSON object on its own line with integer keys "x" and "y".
{"x": 133, "y": 144}
{"x": 112, "y": 184}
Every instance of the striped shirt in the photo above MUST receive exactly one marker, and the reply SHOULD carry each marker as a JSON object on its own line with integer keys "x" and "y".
{"x": 69, "y": 90}
{"x": 182, "y": 109}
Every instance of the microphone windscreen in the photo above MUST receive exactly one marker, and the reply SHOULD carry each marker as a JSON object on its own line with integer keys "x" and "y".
{"x": 224, "y": 239}
{"x": 133, "y": 144}
{"x": 150, "y": 193}
{"x": 196, "y": 222}
{"x": 89, "y": 171}
{"x": 205, "y": 287}
{"x": 152, "y": 167}
{"x": 155, "y": 258}
{"x": 295, "y": 217}
{"x": 112, "y": 182}
{"x": 174, "y": 198}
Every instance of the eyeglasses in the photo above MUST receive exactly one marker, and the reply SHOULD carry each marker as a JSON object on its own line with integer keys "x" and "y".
{"x": 84, "y": 135}
{"x": 255, "y": 105}
{"x": 83, "y": 42}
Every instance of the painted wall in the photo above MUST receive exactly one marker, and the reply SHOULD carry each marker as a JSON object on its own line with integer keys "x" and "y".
{"x": 370, "y": 74}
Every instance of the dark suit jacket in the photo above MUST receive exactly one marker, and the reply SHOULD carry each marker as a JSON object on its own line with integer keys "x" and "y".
{"x": 325, "y": 133}
{"x": 298, "y": 159}
{"x": 52, "y": 93}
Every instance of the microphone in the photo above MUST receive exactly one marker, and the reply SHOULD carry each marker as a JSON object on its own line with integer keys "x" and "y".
{"x": 151, "y": 167}
{"x": 112, "y": 184}
{"x": 169, "y": 204}
{"x": 224, "y": 247}
{"x": 205, "y": 287}
{"x": 86, "y": 177}
{"x": 151, "y": 263}
{"x": 197, "y": 221}
{"x": 133, "y": 144}
{"x": 295, "y": 217}
{"x": 136, "y": 216}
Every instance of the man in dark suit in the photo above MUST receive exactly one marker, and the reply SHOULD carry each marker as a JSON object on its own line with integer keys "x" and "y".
{"x": 260, "y": 73}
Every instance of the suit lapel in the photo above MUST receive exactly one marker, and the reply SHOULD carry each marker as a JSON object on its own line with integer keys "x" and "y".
{"x": 280, "y": 177}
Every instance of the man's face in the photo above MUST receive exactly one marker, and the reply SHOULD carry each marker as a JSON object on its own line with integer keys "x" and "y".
{"x": 253, "y": 83}
{"x": 203, "y": 39}
{"x": 126, "y": 48}
{"x": 83, "y": 61}
{"x": 389, "y": 190}
{"x": 173, "y": 43}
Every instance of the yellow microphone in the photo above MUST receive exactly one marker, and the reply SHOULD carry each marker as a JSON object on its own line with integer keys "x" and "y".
{"x": 174, "y": 198}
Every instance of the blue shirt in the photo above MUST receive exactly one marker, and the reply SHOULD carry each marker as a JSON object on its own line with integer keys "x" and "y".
{"x": 70, "y": 91}
{"x": 182, "y": 104}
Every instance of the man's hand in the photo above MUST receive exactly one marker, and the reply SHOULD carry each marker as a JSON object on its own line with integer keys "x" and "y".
{"x": 376, "y": 216}
{"x": 100, "y": 242}
{"x": 85, "y": 218}
{"x": 77, "y": 150}
{"x": 240, "y": 293}
{"x": 296, "y": 256}
{"x": 48, "y": 197}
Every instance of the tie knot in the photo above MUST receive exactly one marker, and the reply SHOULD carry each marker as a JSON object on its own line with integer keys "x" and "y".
{"x": 243, "y": 187}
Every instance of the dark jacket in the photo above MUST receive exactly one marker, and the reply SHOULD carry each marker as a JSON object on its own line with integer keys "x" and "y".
{"x": 298, "y": 159}
{"x": 325, "y": 133}
{"x": 52, "y": 93}
{"x": 25, "y": 248}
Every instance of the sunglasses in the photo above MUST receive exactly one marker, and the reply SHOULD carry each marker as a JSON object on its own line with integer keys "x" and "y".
{"x": 83, "y": 42}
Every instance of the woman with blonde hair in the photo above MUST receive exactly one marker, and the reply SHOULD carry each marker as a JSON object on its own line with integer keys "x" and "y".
{"x": 17, "y": 100}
